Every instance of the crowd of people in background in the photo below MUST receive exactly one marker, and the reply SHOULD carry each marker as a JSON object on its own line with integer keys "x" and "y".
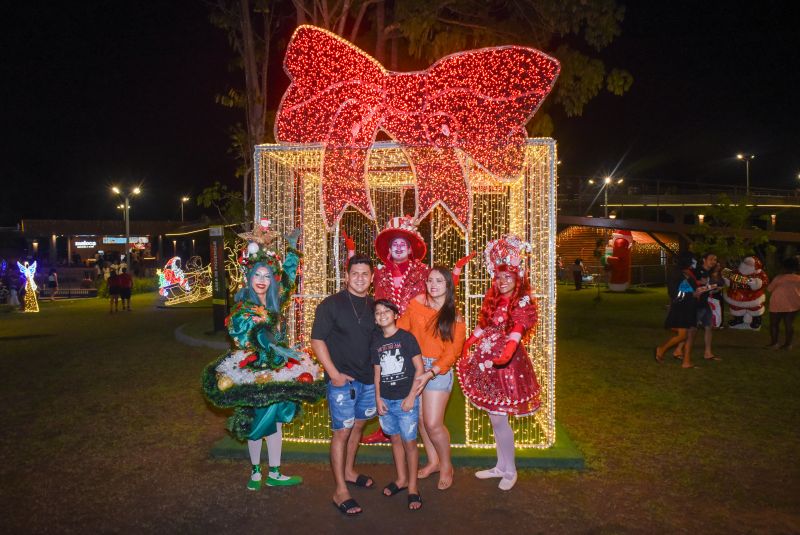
{"x": 695, "y": 293}
{"x": 115, "y": 275}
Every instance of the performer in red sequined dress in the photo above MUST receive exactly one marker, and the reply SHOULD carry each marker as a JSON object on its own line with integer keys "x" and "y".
{"x": 497, "y": 375}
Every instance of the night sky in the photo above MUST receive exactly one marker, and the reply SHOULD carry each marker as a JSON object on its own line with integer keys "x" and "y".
{"x": 100, "y": 93}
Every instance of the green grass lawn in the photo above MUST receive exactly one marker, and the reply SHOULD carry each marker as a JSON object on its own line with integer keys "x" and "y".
{"x": 105, "y": 428}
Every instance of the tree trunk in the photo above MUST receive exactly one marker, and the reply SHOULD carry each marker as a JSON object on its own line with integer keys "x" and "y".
{"x": 380, "y": 26}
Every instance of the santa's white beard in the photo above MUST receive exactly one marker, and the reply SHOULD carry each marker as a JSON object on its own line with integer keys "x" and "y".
{"x": 746, "y": 269}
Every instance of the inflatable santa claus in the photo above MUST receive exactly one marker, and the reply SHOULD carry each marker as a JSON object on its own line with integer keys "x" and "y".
{"x": 619, "y": 260}
{"x": 745, "y": 293}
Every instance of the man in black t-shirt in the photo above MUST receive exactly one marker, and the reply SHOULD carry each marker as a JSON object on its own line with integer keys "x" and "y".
{"x": 343, "y": 327}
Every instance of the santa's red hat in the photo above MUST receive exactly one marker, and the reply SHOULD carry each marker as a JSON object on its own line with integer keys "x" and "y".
{"x": 624, "y": 234}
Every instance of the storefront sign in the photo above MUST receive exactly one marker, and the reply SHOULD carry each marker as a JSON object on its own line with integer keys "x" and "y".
{"x": 85, "y": 244}
{"x": 121, "y": 239}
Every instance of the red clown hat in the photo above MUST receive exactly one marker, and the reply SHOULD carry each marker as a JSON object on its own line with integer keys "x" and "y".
{"x": 400, "y": 227}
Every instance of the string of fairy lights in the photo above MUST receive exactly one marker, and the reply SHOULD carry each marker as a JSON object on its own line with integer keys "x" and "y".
{"x": 289, "y": 192}
{"x": 467, "y": 109}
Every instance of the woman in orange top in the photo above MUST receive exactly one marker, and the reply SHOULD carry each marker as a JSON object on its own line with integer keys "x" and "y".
{"x": 440, "y": 331}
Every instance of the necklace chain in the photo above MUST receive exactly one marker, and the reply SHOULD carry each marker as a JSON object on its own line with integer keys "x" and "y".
{"x": 363, "y": 311}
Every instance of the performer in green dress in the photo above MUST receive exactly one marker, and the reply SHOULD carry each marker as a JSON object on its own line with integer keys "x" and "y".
{"x": 263, "y": 377}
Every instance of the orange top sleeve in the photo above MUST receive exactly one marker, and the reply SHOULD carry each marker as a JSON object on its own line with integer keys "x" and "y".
{"x": 419, "y": 319}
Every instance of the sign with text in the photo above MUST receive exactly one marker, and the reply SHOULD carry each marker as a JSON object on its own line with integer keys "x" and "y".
{"x": 219, "y": 287}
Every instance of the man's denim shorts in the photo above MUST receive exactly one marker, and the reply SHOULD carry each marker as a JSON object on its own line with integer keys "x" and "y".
{"x": 443, "y": 383}
{"x": 396, "y": 420}
{"x": 353, "y": 401}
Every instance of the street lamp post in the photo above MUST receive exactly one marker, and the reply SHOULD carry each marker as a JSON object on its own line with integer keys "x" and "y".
{"x": 607, "y": 183}
{"x": 127, "y": 196}
{"x": 747, "y": 158}
{"x": 183, "y": 200}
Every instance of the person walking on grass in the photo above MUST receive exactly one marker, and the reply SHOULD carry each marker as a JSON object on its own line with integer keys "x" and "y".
{"x": 684, "y": 291}
{"x": 578, "y": 269}
{"x": 113, "y": 292}
{"x": 784, "y": 303}
{"x": 340, "y": 338}
{"x": 705, "y": 317}
{"x": 125, "y": 283}
{"x": 397, "y": 362}
{"x": 52, "y": 284}
{"x": 434, "y": 321}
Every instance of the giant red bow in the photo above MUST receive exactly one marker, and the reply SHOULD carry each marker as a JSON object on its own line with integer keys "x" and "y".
{"x": 475, "y": 102}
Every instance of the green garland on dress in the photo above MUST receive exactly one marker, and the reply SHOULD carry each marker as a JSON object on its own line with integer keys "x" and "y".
{"x": 258, "y": 394}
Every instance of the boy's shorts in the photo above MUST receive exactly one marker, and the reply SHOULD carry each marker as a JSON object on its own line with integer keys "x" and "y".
{"x": 396, "y": 420}
{"x": 353, "y": 401}
{"x": 442, "y": 383}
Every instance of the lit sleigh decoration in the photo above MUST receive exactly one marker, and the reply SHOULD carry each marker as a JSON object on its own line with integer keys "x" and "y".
{"x": 176, "y": 285}
{"x": 472, "y": 104}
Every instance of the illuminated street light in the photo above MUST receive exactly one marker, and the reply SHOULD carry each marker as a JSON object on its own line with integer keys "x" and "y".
{"x": 746, "y": 158}
{"x": 607, "y": 183}
{"x": 183, "y": 200}
{"x": 127, "y": 213}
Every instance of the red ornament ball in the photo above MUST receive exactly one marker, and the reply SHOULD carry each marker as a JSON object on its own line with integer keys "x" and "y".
{"x": 305, "y": 377}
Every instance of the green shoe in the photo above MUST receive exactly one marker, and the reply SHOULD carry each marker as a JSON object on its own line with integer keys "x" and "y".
{"x": 276, "y": 479}
{"x": 255, "y": 484}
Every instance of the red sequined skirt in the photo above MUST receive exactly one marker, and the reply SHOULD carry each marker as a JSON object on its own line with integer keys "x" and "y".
{"x": 508, "y": 389}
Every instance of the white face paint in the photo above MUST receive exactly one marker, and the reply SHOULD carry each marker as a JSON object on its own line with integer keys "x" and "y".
{"x": 399, "y": 250}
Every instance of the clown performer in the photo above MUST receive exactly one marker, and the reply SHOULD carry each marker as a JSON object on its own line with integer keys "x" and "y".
{"x": 402, "y": 275}
{"x": 745, "y": 293}
{"x": 498, "y": 376}
{"x": 263, "y": 378}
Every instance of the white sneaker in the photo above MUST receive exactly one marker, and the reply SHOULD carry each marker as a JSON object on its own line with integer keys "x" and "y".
{"x": 507, "y": 483}
{"x": 489, "y": 474}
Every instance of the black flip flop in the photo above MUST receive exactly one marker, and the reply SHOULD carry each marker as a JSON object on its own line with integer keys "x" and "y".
{"x": 361, "y": 481}
{"x": 346, "y": 505}
{"x": 414, "y": 498}
{"x": 393, "y": 489}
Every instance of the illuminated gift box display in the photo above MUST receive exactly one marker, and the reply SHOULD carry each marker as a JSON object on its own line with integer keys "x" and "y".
{"x": 288, "y": 192}
{"x": 459, "y": 162}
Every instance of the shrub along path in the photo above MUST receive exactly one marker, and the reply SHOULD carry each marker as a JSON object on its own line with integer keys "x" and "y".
{"x": 105, "y": 428}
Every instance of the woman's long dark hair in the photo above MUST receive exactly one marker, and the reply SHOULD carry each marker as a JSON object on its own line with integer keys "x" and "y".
{"x": 446, "y": 316}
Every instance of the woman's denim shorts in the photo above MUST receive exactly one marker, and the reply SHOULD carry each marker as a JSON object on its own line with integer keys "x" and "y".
{"x": 442, "y": 383}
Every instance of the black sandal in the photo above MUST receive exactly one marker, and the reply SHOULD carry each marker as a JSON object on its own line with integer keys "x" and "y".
{"x": 361, "y": 481}
{"x": 414, "y": 498}
{"x": 346, "y": 505}
{"x": 393, "y": 489}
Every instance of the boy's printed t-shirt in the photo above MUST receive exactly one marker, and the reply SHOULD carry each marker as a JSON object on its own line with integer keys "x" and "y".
{"x": 394, "y": 355}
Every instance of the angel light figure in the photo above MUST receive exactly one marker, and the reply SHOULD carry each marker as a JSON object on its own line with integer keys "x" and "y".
{"x": 31, "y": 304}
